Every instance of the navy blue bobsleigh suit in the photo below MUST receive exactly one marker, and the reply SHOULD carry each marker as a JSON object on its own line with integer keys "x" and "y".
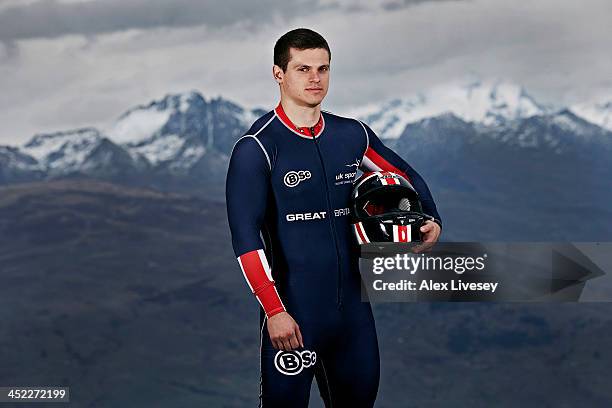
{"x": 288, "y": 191}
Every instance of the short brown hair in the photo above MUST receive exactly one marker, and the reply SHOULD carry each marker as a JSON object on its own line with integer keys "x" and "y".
{"x": 301, "y": 39}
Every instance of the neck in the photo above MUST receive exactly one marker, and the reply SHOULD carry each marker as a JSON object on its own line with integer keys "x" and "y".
{"x": 301, "y": 116}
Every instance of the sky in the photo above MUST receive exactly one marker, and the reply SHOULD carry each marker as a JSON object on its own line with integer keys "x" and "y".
{"x": 72, "y": 63}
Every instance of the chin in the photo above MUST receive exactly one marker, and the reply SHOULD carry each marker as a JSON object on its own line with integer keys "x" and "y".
{"x": 316, "y": 101}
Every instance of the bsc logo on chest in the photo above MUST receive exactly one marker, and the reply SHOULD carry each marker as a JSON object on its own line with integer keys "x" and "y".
{"x": 294, "y": 177}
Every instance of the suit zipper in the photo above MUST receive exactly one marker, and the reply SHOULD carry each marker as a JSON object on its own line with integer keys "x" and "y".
{"x": 331, "y": 219}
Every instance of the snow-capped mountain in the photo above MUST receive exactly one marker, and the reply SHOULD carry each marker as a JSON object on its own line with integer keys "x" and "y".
{"x": 16, "y": 166}
{"x": 84, "y": 151}
{"x": 63, "y": 152}
{"x": 179, "y": 129}
{"x": 184, "y": 140}
{"x": 14, "y": 158}
{"x": 554, "y": 133}
{"x": 599, "y": 113}
{"x": 500, "y": 164}
{"x": 490, "y": 103}
{"x": 172, "y": 135}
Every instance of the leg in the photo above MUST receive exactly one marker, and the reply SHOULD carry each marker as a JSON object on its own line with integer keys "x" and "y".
{"x": 351, "y": 367}
{"x": 286, "y": 377}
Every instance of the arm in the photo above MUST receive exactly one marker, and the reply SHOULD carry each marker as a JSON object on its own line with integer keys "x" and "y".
{"x": 247, "y": 187}
{"x": 379, "y": 157}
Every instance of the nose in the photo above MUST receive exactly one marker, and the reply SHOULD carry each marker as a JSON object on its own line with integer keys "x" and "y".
{"x": 315, "y": 77}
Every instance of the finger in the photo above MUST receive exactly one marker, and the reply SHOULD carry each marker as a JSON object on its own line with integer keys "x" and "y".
{"x": 294, "y": 342}
{"x": 427, "y": 246}
{"x": 417, "y": 249}
{"x": 285, "y": 345}
{"x": 427, "y": 226}
{"x": 429, "y": 237}
{"x": 424, "y": 246}
{"x": 434, "y": 233}
{"x": 275, "y": 344}
{"x": 299, "y": 336}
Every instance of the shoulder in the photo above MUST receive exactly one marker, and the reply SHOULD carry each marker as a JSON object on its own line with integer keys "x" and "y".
{"x": 260, "y": 124}
{"x": 338, "y": 118}
{"x": 250, "y": 150}
{"x": 250, "y": 146}
{"x": 345, "y": 121}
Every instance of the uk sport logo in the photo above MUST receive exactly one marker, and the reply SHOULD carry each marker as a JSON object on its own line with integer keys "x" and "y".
{"x": 356, "y": 164}
{"x": 293, "y": 362}
{"x": 293, "y": 178}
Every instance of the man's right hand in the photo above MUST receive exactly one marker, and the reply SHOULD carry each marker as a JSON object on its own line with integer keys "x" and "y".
{"x": 284, "y": 332}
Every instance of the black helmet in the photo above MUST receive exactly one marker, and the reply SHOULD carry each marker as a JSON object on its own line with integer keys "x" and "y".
{"x": 386, "y": 208}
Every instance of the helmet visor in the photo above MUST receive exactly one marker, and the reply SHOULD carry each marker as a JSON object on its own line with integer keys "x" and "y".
{"x": 387, "y": 200}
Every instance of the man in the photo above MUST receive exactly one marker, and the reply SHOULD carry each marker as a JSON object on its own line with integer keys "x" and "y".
{"x": 288, "y": 188}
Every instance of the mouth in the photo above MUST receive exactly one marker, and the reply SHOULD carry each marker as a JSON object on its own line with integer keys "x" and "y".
{"x": 314, "y": 89}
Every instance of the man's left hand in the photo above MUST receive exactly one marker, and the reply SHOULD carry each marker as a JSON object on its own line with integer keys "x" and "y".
{"x": 430, "y": 232}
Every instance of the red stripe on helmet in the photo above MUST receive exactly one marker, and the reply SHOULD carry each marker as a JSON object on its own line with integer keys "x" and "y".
{"x": 378, "y": 160}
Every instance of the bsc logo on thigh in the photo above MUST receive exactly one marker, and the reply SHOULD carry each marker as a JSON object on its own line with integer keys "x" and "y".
{"x": 293, "y": 362}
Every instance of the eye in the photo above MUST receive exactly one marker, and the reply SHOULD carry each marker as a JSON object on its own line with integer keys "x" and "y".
{"x": 303, "y": 69}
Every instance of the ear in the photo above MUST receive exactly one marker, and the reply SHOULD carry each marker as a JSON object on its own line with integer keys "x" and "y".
{"x": 277, "y": 73}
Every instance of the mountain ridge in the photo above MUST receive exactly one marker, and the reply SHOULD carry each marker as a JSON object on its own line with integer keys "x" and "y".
{"x": 183, "y": 140}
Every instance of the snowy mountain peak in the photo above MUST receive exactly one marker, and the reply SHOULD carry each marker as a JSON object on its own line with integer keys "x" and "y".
{"x": 141, "y": 122}
{"x": 41, "y": 146}
{"x": 186, "y": 135}
{"x": 176, "y": 102}
{"x": 180, "y": 128}
{"x": 598, "y": 112}
{"x": 13, "y": 157}
{"x": 490, "y": 102}
{"x": 501, "y": 100}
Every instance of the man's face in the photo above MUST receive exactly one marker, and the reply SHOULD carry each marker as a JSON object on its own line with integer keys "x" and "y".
{"x": 306, "y": 79}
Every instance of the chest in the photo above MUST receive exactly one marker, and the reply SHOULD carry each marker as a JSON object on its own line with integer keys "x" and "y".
{"x": 305, "y": 166}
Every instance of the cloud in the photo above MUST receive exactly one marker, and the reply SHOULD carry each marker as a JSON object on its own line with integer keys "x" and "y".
{"x": 52, "y": 18}
{"x": 393, "y": 5}
{"x": 558, "y": 50}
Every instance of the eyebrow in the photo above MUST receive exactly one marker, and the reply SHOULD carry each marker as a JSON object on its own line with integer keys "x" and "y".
{"x": 310, "y": 66}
